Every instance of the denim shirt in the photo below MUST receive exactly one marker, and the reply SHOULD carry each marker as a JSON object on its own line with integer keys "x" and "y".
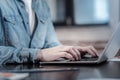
{"x": 17, "y": 45}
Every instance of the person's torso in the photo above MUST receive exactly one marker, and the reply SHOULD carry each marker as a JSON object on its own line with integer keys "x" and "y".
{"x": 16, "y": 24}
{"x": 28, "y": 6}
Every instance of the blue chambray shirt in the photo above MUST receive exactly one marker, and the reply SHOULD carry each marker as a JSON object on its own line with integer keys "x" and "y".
{"x": 17, "y": 45}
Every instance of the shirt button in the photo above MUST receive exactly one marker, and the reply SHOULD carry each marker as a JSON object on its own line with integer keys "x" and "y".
{"x": 27, "y": 22}
{"x": 22, "y": 6}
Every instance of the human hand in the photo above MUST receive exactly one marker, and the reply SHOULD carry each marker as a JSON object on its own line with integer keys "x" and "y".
{"x": 54, "y": 53}
{"x": 77, "y": 51}
{"x": 68, "y": 52}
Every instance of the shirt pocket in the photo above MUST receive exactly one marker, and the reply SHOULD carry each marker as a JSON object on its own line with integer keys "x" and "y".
{"x": 13, "y": 20}
{"x": 43, "y": 19}
{"x": 12, "y": 29}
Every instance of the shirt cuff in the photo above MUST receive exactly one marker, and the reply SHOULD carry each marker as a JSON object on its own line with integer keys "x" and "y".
{"x": 28, "y": 54}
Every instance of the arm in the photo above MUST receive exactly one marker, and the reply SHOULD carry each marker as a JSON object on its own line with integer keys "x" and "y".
{"x": 9, "y": 54}
{"x": 17, "y": 55}
{"x": 51, "y": 37}
{"x": 52, "y": 53}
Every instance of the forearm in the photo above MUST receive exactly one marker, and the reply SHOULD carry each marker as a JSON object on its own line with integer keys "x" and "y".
{"x": 17, "y": 55}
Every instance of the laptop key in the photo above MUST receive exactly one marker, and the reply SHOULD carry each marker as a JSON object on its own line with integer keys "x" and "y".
{"x": 89, "y": 59}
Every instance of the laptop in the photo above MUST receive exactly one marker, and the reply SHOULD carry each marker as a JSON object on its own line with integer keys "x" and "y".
{"x": 109, "y": 51}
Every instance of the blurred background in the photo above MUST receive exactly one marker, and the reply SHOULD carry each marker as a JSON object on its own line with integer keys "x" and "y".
{"x": 81, "y": 22}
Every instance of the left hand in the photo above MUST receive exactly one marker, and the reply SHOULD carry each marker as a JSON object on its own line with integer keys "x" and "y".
{"x": 77, "y": 51}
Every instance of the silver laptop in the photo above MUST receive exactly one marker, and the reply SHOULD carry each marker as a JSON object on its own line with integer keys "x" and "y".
{"x": 110, "y": 51}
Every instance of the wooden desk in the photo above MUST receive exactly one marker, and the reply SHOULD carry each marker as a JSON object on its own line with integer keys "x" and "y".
{"x": 67, "y": 72}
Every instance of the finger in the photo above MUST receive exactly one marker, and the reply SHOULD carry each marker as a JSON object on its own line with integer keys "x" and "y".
{"x": 78, "y": 53}
{"x": 67, "y": 55}
{"x": 74, "y": 54}
{"x": 94, "y": 50}
{"x": 88, "y": 50}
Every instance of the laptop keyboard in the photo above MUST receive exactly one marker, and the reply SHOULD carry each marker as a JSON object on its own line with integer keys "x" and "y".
{"x": 84, "y": 58}
{"x": 89, "y": 59}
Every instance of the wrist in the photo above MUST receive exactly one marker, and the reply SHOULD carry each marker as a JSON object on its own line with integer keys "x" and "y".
{"x": 40, "y": 56}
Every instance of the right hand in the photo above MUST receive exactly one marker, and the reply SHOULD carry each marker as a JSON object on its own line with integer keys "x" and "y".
{"x": 68, "y": 52}
{"x": 54, "y": 53}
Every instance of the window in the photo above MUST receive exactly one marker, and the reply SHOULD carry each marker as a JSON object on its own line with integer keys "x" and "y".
{"x": 91, "y": 11}
{"x": 80, "y": 12}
